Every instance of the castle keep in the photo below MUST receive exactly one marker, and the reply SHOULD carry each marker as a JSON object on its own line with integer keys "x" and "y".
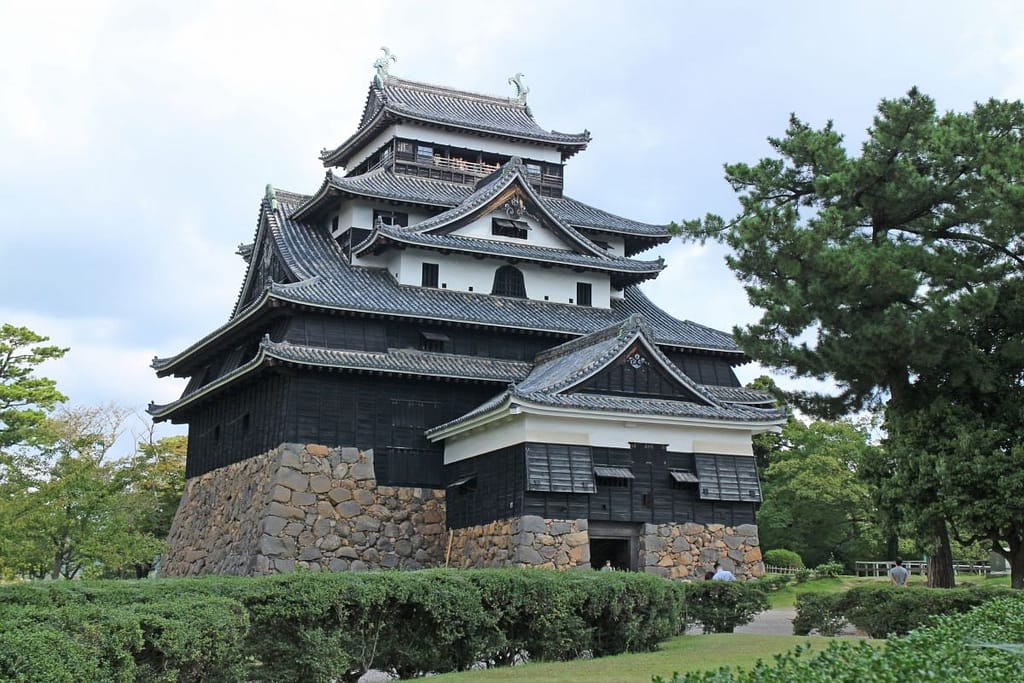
{"x": 438, "y": 357}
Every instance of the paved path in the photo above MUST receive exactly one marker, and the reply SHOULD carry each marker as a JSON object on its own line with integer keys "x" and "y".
{"x": 777, "y": 621}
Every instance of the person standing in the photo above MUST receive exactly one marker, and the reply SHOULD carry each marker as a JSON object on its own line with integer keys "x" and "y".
{"x": 607, "y": 566}
{"x": 899, "y": 574}
{"x": 722, "y": 574}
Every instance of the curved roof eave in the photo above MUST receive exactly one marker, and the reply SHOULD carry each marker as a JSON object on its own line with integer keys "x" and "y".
{"x": 569, "y": 145}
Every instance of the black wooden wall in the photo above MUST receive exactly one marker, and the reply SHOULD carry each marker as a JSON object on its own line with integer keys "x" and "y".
{"x": 364, "y": 334}
{"x": 387, "y": 414}
{"x": 497, "y": 489}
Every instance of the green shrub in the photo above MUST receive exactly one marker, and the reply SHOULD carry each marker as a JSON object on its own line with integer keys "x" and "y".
{"x": 881, "y": 611}
{"x": 536, "y": 616}
{"x": 829, "y": 569}
{"x": 721, "y": 606}
{"x": 626, "y": 611}
{"x": 950, "y": 650}
{"x": 803, "y": 575}
{"x": 772, "y": 582}
{"x": 783, "y": 558}
{"x": 192, "y": 638}
{"x": 45, "y": 652}
{"x": 821, "y": 612}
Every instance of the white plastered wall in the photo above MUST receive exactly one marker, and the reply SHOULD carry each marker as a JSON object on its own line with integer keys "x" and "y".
{"x": 538, "y": 235}
{"x": 465, "y": 273}
{"x": 598, "y": 431}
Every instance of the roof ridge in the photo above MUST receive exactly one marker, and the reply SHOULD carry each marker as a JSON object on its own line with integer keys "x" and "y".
{"x": 442, "y": 89}
{"x": 617, "y": 329}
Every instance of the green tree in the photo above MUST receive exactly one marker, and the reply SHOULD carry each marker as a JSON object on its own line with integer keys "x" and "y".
{"x": 877, "y": 271}
{"x": 814, "y": 502}
{"x": 69, "y": 510}
{"x": 157, "y": 484}
{"x": 25, "y": 398}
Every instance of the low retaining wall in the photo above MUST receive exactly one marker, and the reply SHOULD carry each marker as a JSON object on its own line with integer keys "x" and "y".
{"x": 686, "y": 551}
{"x": 526, "y": 541}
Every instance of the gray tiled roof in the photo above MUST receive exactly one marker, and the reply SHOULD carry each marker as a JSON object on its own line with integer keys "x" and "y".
{"x": 482, "y": 114}
{"x": 560, "y": 369}
{"x": 383, "y": 184}
{"x": 577, "y": 213}
{"x": 741, "y": 395}
{"x": 430, "y": 233}
{"x": 567, "y": 365}
{"x": 393, "y": 361}
{"x": 327, "y": 280}
{"x": 404, "y": 361}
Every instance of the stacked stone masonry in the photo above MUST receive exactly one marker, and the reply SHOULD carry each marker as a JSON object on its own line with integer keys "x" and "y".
{"x": 526, "y": 541}
{"x": 686, "y": 551}
{"x": 309, "y": 507}
{"x": 320, "y": 509}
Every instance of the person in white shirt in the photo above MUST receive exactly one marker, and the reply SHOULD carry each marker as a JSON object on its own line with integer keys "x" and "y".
{"x": 722, "y": 574}
{"x": 898, "y": 574}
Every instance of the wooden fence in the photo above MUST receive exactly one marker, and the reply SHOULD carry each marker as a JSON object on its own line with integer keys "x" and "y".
{"x": 864, "y": 568}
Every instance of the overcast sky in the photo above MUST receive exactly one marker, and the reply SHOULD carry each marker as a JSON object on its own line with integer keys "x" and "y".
{"x": 136, "y": 137}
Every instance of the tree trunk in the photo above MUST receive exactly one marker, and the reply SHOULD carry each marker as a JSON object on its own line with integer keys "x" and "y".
{"x": 940, "y": 562}
{"x": 892, "y": 545}
{"x": 1015, "y": 557}
{"x": 58, "y": 562}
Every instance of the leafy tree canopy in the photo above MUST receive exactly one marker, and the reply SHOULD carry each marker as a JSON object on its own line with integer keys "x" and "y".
{"x": 896, "y": 273}
{"x": 866, "y": 266}
{"x": 24, "y": 398}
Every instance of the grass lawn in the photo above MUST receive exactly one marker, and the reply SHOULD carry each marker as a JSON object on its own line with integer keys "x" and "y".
{"x": 685, "y": 653}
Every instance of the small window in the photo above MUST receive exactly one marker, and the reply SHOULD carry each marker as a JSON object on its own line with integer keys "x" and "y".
{"x": 245, "y": 423}
{"x": 430, "y": 274}
{"x": 464, "y": 485}
{"x": 433, "y": 341}
{"x": 532, "y": 169}
{"x": 509, "y": 228}
{"x": 424, "y": 154}
{"x": 583, "y": 293}
{"x": 216, "y": 434}
{"x": 393, "y": 218}
{"x": 334, "y": 225}
{"x": 613, "y": 477}
{"x": 405, "y": 147}
{"x": 508, "y": 281}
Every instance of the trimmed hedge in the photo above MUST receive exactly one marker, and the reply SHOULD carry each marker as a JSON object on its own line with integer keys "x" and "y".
{"x": 780, "y": 557}
{"x": 956, "y": 648}
{"x": 308, "y": 626}
{"x": 882, "y": 611}
{"x": 721, "y": 606}
{"x": 188, "y": 639}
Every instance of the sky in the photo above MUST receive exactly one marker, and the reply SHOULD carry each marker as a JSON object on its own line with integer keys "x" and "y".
{"x": 136, "y": 138}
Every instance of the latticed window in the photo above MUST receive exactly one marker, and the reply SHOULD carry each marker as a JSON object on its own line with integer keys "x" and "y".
{"x": 584, "y": 295}
{"x": 508, "y": 281}
{"x": 429, "y": 274}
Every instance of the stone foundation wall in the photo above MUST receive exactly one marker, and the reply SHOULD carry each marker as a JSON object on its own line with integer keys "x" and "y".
{"x": 526, "y": 541}
{"x": 305, "y": 506}
{"x": 686, "y": 551}
{"x": 319, "y": 508}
